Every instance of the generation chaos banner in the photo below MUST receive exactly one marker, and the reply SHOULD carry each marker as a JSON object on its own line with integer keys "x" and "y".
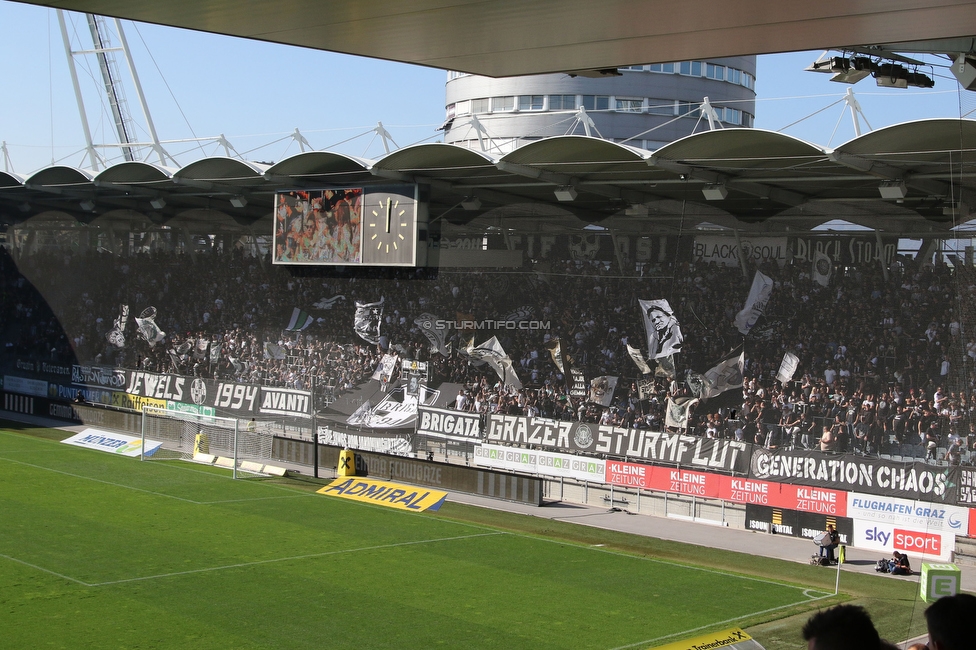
{"x": 850, "y": 472}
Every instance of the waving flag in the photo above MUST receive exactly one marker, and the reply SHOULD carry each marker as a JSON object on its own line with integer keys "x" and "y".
{"x": 762, "y": 287}
{"x": 299, "y": 321}
{"x": 366, "y": 322}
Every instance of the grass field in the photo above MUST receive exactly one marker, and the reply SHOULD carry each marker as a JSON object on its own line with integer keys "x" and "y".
{"x": 100, "y": 551}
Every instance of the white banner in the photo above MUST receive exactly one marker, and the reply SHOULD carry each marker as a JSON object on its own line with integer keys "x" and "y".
{"x": 448, "y": 424}
{"x": 887, "y": 538}
{"x": 544, "y": 463}
{"x": 762, "y": 287}
{"x": 906, "y": 513}
{"x": 787, "y": 368}
{"x": 113, "y": 443}
{"x": 35, "y": 387}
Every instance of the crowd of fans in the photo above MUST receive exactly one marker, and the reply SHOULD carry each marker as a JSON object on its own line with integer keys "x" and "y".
{"x": 885, "y": 362}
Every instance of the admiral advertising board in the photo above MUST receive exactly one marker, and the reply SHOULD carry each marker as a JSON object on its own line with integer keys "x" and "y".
{"x": 448, "y": 424}
{"x": 887, "y": 538}
{"x": 544, "y": 463}
{"x": 856, "y": 473}
{"x": 795, "y": 523}
{"x": 639, "y": 444}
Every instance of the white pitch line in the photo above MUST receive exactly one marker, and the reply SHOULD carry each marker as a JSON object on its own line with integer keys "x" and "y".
{"x": 53, "y": 573}
{"x": 160, "y": 494}
{"x": 717, "y": 624}
{"x": 98, "y": 480}
{"x": 289, "y": 559}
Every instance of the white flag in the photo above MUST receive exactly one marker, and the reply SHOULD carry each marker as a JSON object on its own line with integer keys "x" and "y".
{"x": 146, "y": 324}
{"x": 601, "y": 389}
{"x": 762, "y": 287}
{"x": 822, "y": 268}
{"x": 663, "y": 331}
{"x": 676, "y": 413}
{"x": 366, "y": 321}
{"x": 787, "y": 368}
{"x": 638, "y": 358}
{"x": 725, "y": 376}
{"x": 492, "y": 353}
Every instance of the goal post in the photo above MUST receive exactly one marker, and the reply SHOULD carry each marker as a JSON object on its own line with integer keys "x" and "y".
{"x": 184, "y": 436}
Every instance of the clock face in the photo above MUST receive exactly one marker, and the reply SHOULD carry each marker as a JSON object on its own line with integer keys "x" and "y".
{"x": 390, "y": 229}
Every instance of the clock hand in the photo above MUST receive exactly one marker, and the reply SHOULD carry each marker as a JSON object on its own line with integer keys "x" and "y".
{"x": 389, "y": 208}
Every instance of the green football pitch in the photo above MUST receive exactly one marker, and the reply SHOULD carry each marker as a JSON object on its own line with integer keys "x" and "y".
{"x": 102, "y": 551}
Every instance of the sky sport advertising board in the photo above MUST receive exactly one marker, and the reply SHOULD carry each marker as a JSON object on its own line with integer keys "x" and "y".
{"x": 887, "y": 538}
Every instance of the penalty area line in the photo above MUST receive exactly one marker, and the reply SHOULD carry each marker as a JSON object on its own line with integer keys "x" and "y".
{"x": 727, "y": 621}
{"x": 241, "y": 565}
{"x": 42, "y": 569}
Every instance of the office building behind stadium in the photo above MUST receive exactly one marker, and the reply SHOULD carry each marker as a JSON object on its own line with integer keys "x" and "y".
{"x": 643, "y": 106}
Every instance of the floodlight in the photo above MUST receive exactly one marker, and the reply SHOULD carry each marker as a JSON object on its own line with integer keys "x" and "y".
{"x": 715, "y": 192}
{"x": 87, "y": 205}
{"x": 893, "y": 189}
{"x": 565, "y": 193}
{"x": 158, "y": 203}
{"x": 471, "y": 203}
{"x": 238, "y": 201}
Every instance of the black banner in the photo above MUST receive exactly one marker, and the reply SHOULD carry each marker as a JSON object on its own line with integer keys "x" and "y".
{"x": 654, "y": 447}
{"x": 912, "y": 480}
{"x": 448, "y": 424}
{"x": 967, "y": 487}
{"x": 227, "y": 398}
{"x": 797, "y": 523}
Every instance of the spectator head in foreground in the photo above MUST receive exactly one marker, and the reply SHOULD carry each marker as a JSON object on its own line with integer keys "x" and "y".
{"x": 844, "y": 627}
{"x": 950, "y": 622}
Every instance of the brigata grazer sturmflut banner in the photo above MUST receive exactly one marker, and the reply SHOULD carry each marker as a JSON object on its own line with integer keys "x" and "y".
{"x": 228, "y": 398}
{"x": 655, "y": 447}
{"x": 857, "y": 474}
{"x": 448, "y": 424}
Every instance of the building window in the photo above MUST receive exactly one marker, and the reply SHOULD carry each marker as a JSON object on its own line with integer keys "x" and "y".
{"x": 748, "y": 81}
{"x": 691, "y": 68}
{"x": 638, "y": 68}
{"x": 716, "y": 72}
{"x": 480, "y": 105}
{"x": 451, "y": 111}
{"x": 463, "y": 108}
{"x": 660, "y": 106}
{"x": 503, "y": 104}
{"x": 626, "y": 105}
{"x": 686, "y": 108}
{"x": 667, "y": 68}
{"x": 531, "y": 102}
{"x": 562, "y": 102}
{"x": 596, "y": 102}
{"x": 734, "y": 76}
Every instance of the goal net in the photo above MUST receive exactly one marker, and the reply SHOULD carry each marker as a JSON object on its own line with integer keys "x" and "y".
{"x": 189, "y": 436}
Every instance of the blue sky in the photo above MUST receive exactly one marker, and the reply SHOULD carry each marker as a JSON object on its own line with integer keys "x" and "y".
{"x": 256, "y": 93}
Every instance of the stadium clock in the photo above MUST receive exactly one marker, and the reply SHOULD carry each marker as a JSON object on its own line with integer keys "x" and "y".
{"x": 389, "y": 225}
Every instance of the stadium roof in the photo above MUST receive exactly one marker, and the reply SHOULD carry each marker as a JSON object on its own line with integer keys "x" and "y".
{"x": 757, "y": 181}
{"x": 500, "y": 38}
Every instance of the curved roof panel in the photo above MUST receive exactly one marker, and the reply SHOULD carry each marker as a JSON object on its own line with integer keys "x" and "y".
{"x": 318, "y": 164}
{"x": 130, "y": 173}
{"x": 59, "y": 176}
{"x": 432, "y": 157}
{"x": 222, "y": 169}
{"x": 9, "y": 179}
{"x": 572, "y": 149}
{"x": 742, "y": 149}
{"x": 919, "y": 136}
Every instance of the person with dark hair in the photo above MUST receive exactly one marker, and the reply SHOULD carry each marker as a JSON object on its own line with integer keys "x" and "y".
{"x": 950, "y": 622}
{"x": 830, "y": 541}
{"x": 900, "y": 566}
{"x": 844, "y": 627}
